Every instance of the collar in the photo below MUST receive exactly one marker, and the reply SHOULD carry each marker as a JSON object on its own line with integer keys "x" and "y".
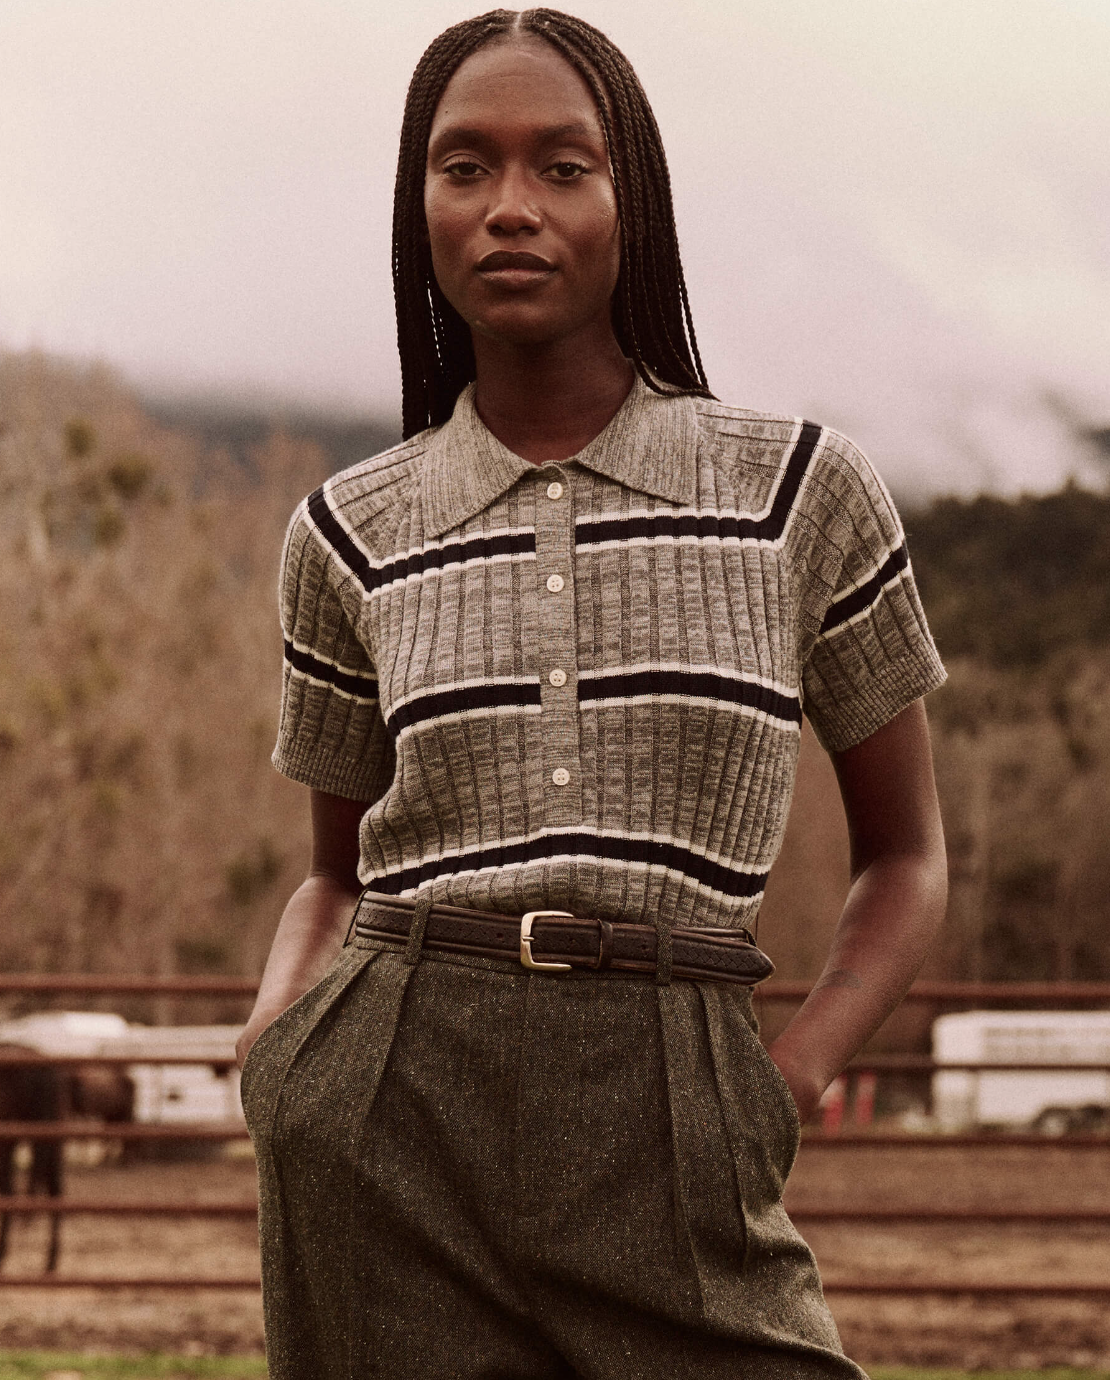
{"x": 650, "y": 445}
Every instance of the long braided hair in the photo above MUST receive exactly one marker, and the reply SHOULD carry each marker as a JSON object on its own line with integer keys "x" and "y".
{"x": 651, "y": 309}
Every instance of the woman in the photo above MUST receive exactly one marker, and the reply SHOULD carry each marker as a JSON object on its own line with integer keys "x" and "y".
{"x": 550, "y": 655}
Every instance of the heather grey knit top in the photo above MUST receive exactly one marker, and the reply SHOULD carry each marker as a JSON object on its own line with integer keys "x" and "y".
{"x": 580, "y": 686}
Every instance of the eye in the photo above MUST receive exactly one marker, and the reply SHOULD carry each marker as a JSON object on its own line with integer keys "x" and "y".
{"x": 566, "y": 171}
{"x": 465, "y": 169}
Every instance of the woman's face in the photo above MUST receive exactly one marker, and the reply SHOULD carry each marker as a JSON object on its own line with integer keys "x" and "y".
{"x": 519, "y": 199}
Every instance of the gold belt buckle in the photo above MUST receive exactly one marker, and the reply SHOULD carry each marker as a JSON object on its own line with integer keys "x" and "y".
{"x": 526, "y": 941}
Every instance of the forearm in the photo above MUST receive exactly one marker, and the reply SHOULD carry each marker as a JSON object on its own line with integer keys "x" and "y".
{"x": 892, "y": 912}
{"x": 309, "y": 935}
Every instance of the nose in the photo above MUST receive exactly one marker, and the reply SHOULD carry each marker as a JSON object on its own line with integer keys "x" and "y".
{"x": 513, "y": 208}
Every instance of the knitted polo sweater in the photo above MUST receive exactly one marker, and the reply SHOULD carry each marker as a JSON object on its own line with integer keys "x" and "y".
{"x": 580, "y": 686}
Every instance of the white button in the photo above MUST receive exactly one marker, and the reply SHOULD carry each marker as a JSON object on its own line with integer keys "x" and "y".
{"x": 561, "y": 776}
{"x": 558, "y": 676}
{"x": 555, "y": 583}
{"x": 555, "y": 489}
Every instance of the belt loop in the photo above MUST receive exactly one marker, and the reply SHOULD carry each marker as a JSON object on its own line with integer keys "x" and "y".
{"x": 351, "y": 926}
{"x": 604, "y": 946}
{"x": 664, "y": 950}
{"x": 417, "y": 928}
{"x": 354, "y": 917}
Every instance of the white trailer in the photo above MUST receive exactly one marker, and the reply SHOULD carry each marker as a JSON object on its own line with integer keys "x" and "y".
{"x": 199, "y": 1090}
{"x": 206, "y": 1089}
{"x": 1054, "y": 1101}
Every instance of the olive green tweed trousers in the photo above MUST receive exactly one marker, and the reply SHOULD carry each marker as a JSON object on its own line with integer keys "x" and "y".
{"x": 472, "y": 1172}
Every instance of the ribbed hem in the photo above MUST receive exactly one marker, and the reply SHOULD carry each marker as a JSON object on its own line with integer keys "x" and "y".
{"x": 336, "y": 775}
{"x": 877, "y": 700}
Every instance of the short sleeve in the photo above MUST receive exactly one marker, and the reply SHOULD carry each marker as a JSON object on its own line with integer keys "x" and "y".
{"x": 331, "y": 735}
{"x": 873, "y": 654}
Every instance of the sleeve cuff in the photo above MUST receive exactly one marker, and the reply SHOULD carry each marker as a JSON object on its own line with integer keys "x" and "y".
{"x": 843, "y": 722}
{"x": 337, "y": 775}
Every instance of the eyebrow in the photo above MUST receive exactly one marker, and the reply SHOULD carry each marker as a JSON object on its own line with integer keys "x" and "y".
{"x": 470, "y": 134}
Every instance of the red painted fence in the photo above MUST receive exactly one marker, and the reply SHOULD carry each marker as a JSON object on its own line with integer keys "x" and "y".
{"x": 956, "y": 994}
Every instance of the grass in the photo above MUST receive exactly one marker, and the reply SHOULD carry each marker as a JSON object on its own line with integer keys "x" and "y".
{"x": 914, "y": 1373}
{"x": 50, "y": 1365}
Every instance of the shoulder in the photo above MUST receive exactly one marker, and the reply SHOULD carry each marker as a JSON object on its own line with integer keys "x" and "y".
{"x": 361, "y": 495}
{"x": 741, "y": 435}
{"x": 819, "y": 468}
{"x": 359, "y": 506}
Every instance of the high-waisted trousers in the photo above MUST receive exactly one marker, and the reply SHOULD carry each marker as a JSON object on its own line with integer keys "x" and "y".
{"x": 468, "y": 1171}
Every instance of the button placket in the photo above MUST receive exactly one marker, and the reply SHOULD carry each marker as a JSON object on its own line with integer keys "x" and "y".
{"x": 558, "y": 649}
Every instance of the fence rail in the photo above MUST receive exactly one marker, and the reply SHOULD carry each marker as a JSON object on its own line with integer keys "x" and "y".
{"x": 27, "y": 1205}
{"x": 865, "y": 1063}
{"x": 102, "y": 1282}
{"x": 1000, "y": 1140}
{"x": 20, "y": 1058}
{"x": 1032, "y": 994}
{"x": 1011, "y": 993}
{"x": 817, "y": 1140}
{"x": 122, "y": 1130}
{"x": 951, "y": 1288}
{"x": 944, "y": 1288}
{"x": 99, "y": 984}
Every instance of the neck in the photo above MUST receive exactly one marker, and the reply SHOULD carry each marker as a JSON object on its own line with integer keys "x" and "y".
{"x": 548, "y": 403}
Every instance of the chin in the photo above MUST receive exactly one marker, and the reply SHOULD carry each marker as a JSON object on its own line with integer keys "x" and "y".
{"x": 520, "y": 331}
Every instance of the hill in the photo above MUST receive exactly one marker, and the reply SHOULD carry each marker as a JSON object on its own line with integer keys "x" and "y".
{"x": 1014, "y": 583}
{"x": 230, "y": 432}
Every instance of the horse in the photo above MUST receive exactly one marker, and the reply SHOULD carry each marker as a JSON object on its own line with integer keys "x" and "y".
{"x": 46, "y": 1092}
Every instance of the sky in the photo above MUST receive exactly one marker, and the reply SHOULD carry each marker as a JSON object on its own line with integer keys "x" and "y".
{"x": 894, "y": 214}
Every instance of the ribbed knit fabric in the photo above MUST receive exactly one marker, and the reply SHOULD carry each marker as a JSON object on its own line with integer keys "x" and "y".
{"x": 580, "y": 686}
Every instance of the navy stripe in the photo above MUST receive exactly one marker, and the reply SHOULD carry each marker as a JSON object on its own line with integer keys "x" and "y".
{"x": 695, "y": 684}
{"x": 455, "y": 553}
{"x": 363, "y": 687}
{"x": 767, "y": 528}
{"x": 670, "y": 855}
{"x": 338, "y": 539}
{"x": 437, "y": 703}
{"x": 373, "y": 577}
{"x": 848, "y": 605}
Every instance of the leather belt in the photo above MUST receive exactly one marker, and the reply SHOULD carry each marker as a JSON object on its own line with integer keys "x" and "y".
{"x": 553, "y": 941}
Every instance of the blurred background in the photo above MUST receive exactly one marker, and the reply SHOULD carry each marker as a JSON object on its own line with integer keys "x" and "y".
{"x": 894, "y": 220}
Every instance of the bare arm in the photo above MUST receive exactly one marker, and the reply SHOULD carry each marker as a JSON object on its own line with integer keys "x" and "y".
{"x": 896, "y": 901}
{"x": 314, "y": 923}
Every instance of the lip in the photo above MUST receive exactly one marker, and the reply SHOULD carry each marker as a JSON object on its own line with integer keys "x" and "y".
{"x": 514, "y": 267}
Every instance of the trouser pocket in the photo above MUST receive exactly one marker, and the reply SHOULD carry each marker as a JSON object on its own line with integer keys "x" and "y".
{"x": 269, "y": 1058}
{"x": 310, "y": 1095}
{"x": 758, "y": 1108}
{"x": 781, "y": 1285}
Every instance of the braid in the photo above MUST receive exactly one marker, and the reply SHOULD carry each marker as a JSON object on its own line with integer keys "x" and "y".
{"x": 651, "y": 306}
{"x": 437, "y": 358}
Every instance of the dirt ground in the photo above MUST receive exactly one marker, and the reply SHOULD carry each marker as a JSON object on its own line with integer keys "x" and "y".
{"x": 1006, "y": 1331}
{"x": 992, "y": 1332}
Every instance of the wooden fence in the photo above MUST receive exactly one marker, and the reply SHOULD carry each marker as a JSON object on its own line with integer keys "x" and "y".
{"x": 941, "y": 994}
